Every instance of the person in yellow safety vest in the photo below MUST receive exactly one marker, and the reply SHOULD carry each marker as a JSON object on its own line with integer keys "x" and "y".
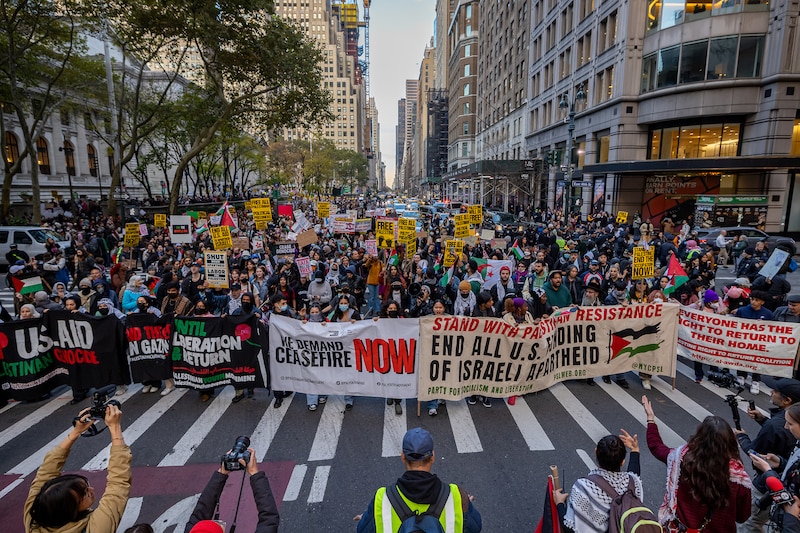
{"x": 420, "y": 490}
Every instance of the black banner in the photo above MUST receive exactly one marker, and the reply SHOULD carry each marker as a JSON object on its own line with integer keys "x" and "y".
{"x": 91, "y": 348}
{"x": 28, "y": 370}
{"x": 211, "y": 352}
{"x": 148, "y": 346}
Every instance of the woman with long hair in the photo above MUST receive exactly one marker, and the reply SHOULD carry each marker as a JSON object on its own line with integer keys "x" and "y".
{"x": 707, "y": 486}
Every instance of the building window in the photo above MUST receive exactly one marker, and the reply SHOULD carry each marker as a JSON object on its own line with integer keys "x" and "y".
{"x": 465, "y": 149}
{"x": 750, "y": 52}
{"x": 695, "y": 141}
{"x": 466, "y": 108}
{"x": 603, "y": 146}
{"x": 42, "y": 156}
{"x": 466, "y": 70}
{"x": 795, "y": 149}
{"x": 467, "y": 50}
{"x": 466, "y": 128}
{"x": 12, "y": 148}
{"x": 466, "y": 89}
{"x": 92, "y": 154}
{"x": 693, "y": 62}
{"x": 722, "y": 58}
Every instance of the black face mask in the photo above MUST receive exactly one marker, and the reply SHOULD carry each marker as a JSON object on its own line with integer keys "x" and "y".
{"x": 247, "y": 307}
{"x": 86, "y": 290}
{"x": 393, "y": 313}
{"x": 103, "y": 311}
{"x": 199, "y": 311}
{"x": 173, "y": 296}
{"x": 143, "y": 307}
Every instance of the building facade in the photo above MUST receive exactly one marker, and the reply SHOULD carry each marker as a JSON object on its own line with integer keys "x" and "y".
{"x": 462, "y": 87}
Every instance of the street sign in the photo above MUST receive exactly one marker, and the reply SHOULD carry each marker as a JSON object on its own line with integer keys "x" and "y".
{"x": 582, "y": 184}
{"x": 120, "y": 196}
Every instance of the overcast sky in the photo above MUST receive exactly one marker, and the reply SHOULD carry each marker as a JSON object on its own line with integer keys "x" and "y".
{"x": 399, "y": 30}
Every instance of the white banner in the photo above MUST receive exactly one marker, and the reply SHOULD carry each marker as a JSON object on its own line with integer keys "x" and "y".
{"x": 738, "y": 343}
{"x": 366, "y": 358}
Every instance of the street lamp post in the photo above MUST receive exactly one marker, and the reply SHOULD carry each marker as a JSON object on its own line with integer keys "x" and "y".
{"x": 564, "y": 104}
{"x": 70, "y": 164}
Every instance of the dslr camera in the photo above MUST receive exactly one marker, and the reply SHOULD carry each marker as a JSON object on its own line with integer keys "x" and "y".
{"x": 722, "y": 379}
{"x": 101, "y": 399}
{"x": 230, "y": 461}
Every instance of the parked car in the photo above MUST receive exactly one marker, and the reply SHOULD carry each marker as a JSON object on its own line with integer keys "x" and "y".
{"x": 753, "y": 235}
{"x": 29, "y": 239}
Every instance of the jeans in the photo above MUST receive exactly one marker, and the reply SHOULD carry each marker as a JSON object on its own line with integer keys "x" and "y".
{"x": 373, "y": 302}
{"x": 313, "y": 399}
{"x": 432, "y": 404}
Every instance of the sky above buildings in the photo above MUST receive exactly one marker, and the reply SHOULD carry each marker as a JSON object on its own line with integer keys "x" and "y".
{"x": 399, "y": 30}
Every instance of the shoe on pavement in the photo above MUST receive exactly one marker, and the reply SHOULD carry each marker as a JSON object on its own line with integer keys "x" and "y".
{"x": 512, "y": 400}
{"x": 590, "y": 382}
{"x": 622, "y": 382}
{"x": 740, "y": 380}
{"x": 205, "y": 397}
{"x": 486, "y": 402}
{"x": 147, "y": 388}
{"x": 471, "y": 400}
{"x": 432, "y": 412}
{"x": 323, "y": 399}
{"x": 122, "y": 389}
{"x": 646, "y": 384}
{"x": 607, "y": 379}
{"x": 389, "y": 401}
{"x": 167, "y": 390}
{"x": 312, "y": 407}
{"x": 76, "y": 401}
{"x": 348, "y": 407}
{"x": 278, "y": 402}
{"x": 698, "y": 380}
{"x": 398, "y": 409}
{"x": 238, "y": 397}
{"x": 755, "y": 388}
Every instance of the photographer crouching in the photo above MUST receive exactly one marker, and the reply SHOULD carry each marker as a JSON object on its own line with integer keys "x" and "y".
{"x": 61, "y": 503}
{"x": 241, "y": 457}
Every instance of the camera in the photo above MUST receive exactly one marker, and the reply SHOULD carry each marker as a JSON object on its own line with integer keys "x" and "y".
{"x": 722, "y": 379}
{"x": 101, "y": 399}
{"x": 230, "y": 461}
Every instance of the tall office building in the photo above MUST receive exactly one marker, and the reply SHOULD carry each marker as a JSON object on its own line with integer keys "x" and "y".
{"x": 425, "y": 83}
{"x": 691, "y": 108}
{"x": 400, "y": 143}
{"x": 462, "y": 83}
{"x": 444, "y": 14}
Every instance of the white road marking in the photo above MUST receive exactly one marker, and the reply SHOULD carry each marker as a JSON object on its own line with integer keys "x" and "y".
{"x": 267, "y": 427}
{"x": 329, "y": 429}
{"x": 586, "y": 420}
{"x": 317, "y": 493}
{"x": 532, "y": 431}
{"x": 15, "y": 430}
{"x": 464, "y": 432}
{"x": 586, "y": 460}
{"x": 194, "y": 436}
{"x": 295, "y": 483}
{"x": 684, "y": 402}
{"x": 394, "y": 428}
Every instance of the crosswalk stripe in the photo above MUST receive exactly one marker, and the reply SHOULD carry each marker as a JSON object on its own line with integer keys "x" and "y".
{"x": 687, "y": 404}
{"x": 630, "y": 404}
{"x": 532, "y": 431}
{"x": 295, "y": 483}
{"x": 719, "y": 391}
{"x": 586, "y": 460}
{"x": 11, "y": 405}
{"x": 264, "y": 433}
{"x": 329, "y": 429}
{"x": 137, "y": 428}
{"x": 317, "y": 492}
{"x": 194, "y": 436}
{"x": 30, "y": 464}
{"x": 15, "y": 430}
{"x": 132, "y": 510}
{"x": 394, "y": 428}
{"x": 586, "y": 420}
{"x": 464, "y": 432}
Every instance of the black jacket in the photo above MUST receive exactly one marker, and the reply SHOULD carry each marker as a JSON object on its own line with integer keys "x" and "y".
{"x": 772, "y": 438}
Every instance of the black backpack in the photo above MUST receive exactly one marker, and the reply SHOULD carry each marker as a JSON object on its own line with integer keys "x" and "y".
{"x": 411, "y": 522}
{"x": 628, "y": 514}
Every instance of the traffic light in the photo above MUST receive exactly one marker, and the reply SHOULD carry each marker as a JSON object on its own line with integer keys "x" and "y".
{"x": 557, "y": 158}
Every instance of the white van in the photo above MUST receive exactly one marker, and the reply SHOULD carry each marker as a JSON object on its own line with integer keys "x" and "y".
{"x": 29, "y": 239}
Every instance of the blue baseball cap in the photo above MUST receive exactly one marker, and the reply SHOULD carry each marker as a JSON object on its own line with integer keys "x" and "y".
{"x": 417, "y": 444}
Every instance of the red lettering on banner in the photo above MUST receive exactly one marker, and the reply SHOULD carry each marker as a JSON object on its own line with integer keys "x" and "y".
{"x": 382, "y": 355}
{"x": 133, "y": 334}
{"x": 76, "y": 356}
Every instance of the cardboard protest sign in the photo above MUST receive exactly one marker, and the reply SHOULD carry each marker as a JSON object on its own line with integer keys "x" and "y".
{"x": 261, "y": 217}
{"x": 461, "y": 356}
{"x": 285, "y": 210}
{"x": 304, "y": 266}
{"x": 643, "y": 263}
{"x": 475, "y": 213}
{"x": 309, "y": 236}
{"x": 180, "y": 229}
{"x": 216, "y": 268}
{"x": 131, "y": 234}
{"x": 487, "y": 235}
{"x": 285, "y": 248}
{"x": 343, "y": 224}
{"x": 372, "y": 247}
{"x": 221, "y": 236}
{"x": 363, "y": 225}
{"x": 757, "y": 346}
{"x": 774, "y": 264}
{"x": 160, "y": 220}
{"x": 622, "y": 217}
{"x": 407, "y": 230}
{"x": 242, "y": 243}
{"x": 367, "y": 358}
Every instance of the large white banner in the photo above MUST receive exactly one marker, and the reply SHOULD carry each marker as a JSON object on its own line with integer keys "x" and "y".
{"x": 365, "y": 358}
{"x": 738, "y": 343}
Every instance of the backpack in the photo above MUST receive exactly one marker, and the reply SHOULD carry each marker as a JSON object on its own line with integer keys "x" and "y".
{"x": 628, "y": 514}
{"x": 411, "y": 522}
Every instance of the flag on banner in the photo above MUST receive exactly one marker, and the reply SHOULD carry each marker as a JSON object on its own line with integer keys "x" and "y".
{"x": 27, "y": 285}
{"x": 448, "y": 276}
{"x": 676, "y": 274}
{"x": 516, "y": 251}
{"x": 225, "y": 216}
{"x": 619, "y": 345}
{"x": 550, "y": 522}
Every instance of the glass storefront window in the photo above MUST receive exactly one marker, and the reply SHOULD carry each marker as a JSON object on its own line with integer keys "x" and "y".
{"x": 693, "y": 61}
{"x": 653, "y": 15}
{"x": 750, "y": 52}
{"x": 729, "y": 147}
{"x": 710, "y": 139}
{"x": 603, "y": 147}
{"x": 795, "y": 149}
{"x": 689, "y": 142}
{"x": 655, "y": 142}
{"x": 722, "y": 58}
{"x": 668, "y": 67}
{"x": 671, "y": 13}
{"x": 648, "y": 73}
{"x": 669, "y": 144}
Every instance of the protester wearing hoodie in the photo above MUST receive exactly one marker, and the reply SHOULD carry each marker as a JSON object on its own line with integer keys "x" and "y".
{"x": 319, "y": 291}
{"x": 88, "y": 296}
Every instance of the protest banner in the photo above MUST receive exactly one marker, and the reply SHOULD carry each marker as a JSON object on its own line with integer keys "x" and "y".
{"x": 344, "y": 224}
{"x": 160, "y": 220}
{"x": 132, "y": 235}
{"x": 261, "y": 217}
{"x": 28, "y": 370}
{"x": 216, "y": 267}
{"x": 774, "y": 264}
{"x": 180, "y": 229}
{"x": 738, "y": 343}
{"x": 487, "y": 235}
{"x": 367, "y": 358}
{"x": 210, "y": 352}
{"x": 284, "y": 249}
{"x": 475, "y": 213}
{"x": 452, "y": 249}
{"x": 242, "y": 243}
{"x": 363, "y": 225}
{"x": 461, "y": 226}
{"x": 323, "y": 209}
{"x": 90, "y": 348}
{"x": 309, "y": 236}
{"x": 148, "y": 346}
{"x": 384, "y": 233}
{"x": 372, "y": 247}
{"x": 643, "y": 262}
{"x": 221, "y": 236}
{"x": 462, "y": 356}
{"x": 286, "y": 210}
{"x": 622, "y": 217}
{"x": 304, "y": 266}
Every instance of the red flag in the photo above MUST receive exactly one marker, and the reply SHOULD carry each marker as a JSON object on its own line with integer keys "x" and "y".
{"x": 227, "y": 219}
{"x": 550, "y": 522}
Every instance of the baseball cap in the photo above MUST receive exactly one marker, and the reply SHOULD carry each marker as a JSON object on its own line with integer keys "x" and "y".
{"x": 417, "y": 444}
{"x": 793, "y": 299}
{"x": 235, "y": 286}
{"x": 594, "y": 262}
{"x": 789, "y": 388}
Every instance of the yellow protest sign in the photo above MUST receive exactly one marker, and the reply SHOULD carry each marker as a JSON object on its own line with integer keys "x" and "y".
{"x": 643, "y": 262}
{"x": 247, "y": 205}
{"x": 622, "y": 217}
{"x": 202, "y": 215}
{"x": 261, "y": 217}
{"x": 221, "y": 235}
{"x": 160, "y": 220}
{"x": 462, "y": 226}
{"x": 452, "y": 249}
{"x": 132, "y": 234}
{"x": 411, "y": 248}
{"x": 475, "y": 213}
{"x": 384, "y": 233}
{"x": 323, "y": 209}
{"x": 407, "y": 230}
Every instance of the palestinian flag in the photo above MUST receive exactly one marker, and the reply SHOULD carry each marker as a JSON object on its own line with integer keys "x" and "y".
{"x": 516, "y": 251}
{"x": 448, "y": 276}
{"x": 676, "y": 274}
{"x": 550, "y": 522}
{"x": 393, "y": 258}
{"x": 152, "y": 283}
{"x": 226, "y": 217}
{"x": 27, "y": 285}
{"x": 618, "y": 345}
{"x": 483, "y": 265}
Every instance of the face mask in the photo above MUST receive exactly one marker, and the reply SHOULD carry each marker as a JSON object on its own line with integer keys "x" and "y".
{"x": 464, "y": 294}
{"x": 393, "y": 313}
{"x": 315, "y": 316}
{"x": 103, "y": 311}
{"x": 199, "y": 311}
{"x": 344, "y": 307}
{"x": 143, "y": 307}
{"x": 284, "y": 308}
{"x": 86, "y": 290}
{"x": 247, "y": 306}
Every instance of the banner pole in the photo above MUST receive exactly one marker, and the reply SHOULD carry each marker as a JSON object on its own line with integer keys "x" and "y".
{"x": 418, "y": 409}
